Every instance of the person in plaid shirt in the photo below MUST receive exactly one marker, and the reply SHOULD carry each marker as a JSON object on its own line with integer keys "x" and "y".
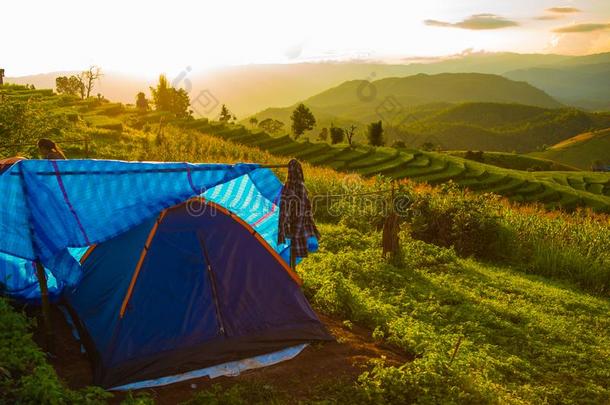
{"x": 296, "y": 217}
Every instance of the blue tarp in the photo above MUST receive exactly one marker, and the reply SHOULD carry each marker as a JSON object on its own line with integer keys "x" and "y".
{"x": 50, "y": 206}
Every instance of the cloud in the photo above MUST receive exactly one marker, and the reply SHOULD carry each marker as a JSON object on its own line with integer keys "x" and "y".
{"x": 476, "y": 22}
{"x": 548, "y": 17}
{"x": 564, "y": 10}
{"x": 582, "y": 28}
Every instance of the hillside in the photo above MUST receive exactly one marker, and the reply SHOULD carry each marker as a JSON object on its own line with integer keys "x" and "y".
{"x": 581, "y": 150}
{"x": 499, "y": 127}
{"x": 252, "y": 88}
{"x": 465, "y": 126}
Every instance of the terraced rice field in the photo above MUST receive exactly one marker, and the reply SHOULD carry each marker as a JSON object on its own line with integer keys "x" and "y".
{"x": 566, "y": 190}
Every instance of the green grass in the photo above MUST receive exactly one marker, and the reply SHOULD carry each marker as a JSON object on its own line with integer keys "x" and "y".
{"x": 523, "y": 339}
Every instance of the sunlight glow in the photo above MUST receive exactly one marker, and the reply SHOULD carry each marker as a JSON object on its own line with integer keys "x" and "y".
{"x": 145, "y": 38}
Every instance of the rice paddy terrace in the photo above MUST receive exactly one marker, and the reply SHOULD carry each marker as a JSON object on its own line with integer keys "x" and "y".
{"x": 554, "y": 189}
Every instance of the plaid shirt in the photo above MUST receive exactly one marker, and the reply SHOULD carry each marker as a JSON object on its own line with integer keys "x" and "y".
{"x": 296, "y": 216}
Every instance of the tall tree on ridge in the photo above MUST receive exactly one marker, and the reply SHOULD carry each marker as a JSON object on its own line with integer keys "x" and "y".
{"x": 302, "y": 120}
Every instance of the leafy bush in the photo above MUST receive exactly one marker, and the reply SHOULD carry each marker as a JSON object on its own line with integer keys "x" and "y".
{"x": 23, "y": 122}
{"x": 468, "y": 223}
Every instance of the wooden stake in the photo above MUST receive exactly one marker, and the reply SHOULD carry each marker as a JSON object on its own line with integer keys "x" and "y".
{"x": 46, "y": 307}
{"x": 293, "y": 259}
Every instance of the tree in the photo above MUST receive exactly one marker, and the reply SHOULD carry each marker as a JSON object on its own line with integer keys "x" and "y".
{"x": 270, "y": 125}
{"x": 167, "y": 98}
{"x": 225, "y": 114}
{"x": 323, "y": 135}
{"x": 336, "y": 134}
{"x": 142, "y": 102}
{"x": 349, "y": 134}
{"x": 161, "y": 94}
{"x": 375, "y": 134}
{"x": 253, "y": 121}
{"x": 302, "y": 120}
{"x": 69, "y": 85}
{"x": 87, "y": 80}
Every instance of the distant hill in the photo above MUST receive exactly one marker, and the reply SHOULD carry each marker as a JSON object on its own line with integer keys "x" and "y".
{"x": 581, "y": 150}
{"x": 412, "y": 98}
{"x": 582, "y": 82}
{"x": 423, "y": 89}
{"x": 252, "y": 88}
{"x": 467, "y": 126}
{"x": 451, "y": 111}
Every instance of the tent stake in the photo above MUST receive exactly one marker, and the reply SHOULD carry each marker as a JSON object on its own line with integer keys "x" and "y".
{"x": 46, "y": 307}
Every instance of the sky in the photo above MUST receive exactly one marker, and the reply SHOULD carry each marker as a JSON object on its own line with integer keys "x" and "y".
{"x": 148, "y": 37}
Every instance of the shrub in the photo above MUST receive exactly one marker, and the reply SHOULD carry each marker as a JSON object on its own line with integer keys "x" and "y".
{"x": 454, "y": 218}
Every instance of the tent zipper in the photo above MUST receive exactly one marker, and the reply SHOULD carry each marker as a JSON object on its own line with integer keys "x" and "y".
{"x": 212, "y": 278}
{"x": 215, "y": 294}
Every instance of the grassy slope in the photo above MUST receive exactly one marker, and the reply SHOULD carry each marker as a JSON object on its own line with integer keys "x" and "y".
{"x": 580, "y": 151}
{"x": 524, "y": 340}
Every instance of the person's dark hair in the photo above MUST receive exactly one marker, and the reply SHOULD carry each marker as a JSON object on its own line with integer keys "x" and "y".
{"x": 48, "y": 144}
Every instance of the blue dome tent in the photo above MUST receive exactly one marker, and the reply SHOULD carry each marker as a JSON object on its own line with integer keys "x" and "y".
{"x": 165, "y": 267}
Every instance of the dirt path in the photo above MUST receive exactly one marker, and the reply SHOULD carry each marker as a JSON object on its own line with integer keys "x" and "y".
{"x": 318, "y": 364}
